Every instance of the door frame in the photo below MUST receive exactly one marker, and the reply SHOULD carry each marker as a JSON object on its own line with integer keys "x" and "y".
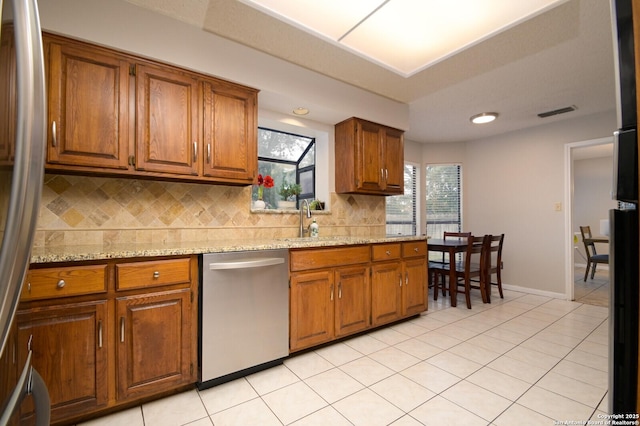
{"x": 568, "y": 212}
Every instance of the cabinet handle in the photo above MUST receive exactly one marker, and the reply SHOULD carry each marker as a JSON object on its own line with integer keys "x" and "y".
{"x": 381, "y": 174}
{"x": 61, "y": 284}
{"x": 54, "y": 134}
{"x": 406, "y": 279}
{"x": 121, "y": 329}
{"x": 156, "y": 274}
{"x": 400, "y": 279}
{"x": 195, "y": 151}
{"x": 340, "y": 291}
{"x": 208, "y": 153}
{"x": 386, "y": 175}
{"x": 29, "y": 287}
{"x": 331, "y": 293}
{"x": 100, "y": 334}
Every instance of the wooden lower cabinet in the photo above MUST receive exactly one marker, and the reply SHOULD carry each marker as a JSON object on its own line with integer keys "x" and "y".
{"x": 154, "y": 342}
{"x": 386, "y": 290}
{"x": 70, "y": 353}
{"x": 414, "y": 294}
{"x": 336, "y": 292}
{"x": 133, "y": 339}
{"x": 311, "y": 309}
{"x": 328, "y": 304}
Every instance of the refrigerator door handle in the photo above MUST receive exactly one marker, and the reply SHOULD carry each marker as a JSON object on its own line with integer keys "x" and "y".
{"x": 29, "y": 383}
{"x": 28, "y": 171}
{"x": 616, "y": 143}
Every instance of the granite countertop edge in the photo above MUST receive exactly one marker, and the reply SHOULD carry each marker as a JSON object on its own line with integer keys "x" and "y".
{"x": 78, "y": 253}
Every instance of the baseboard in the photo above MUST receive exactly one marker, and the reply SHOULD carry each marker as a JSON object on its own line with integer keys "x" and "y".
{"x": 537, "y": 292}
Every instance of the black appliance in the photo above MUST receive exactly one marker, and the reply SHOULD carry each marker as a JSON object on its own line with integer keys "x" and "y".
{"x": 623, "y": 247}
{"x": 22, "y": 145}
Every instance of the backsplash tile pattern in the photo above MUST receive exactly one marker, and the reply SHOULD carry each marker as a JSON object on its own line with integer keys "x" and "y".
{"x": 96, "y": 210}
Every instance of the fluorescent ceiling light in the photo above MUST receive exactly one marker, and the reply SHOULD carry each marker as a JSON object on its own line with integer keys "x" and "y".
{"x": 485, "y": 117}
{"x": 404, "y": 36}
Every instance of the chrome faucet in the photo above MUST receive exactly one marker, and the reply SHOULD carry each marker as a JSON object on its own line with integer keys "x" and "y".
{"x": 302, "y": 228}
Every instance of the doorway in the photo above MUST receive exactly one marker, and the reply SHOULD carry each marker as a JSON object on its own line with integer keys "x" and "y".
{"x": 588, "y": 177}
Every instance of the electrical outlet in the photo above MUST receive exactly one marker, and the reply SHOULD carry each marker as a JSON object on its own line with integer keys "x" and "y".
{"x": 557, "y": 207}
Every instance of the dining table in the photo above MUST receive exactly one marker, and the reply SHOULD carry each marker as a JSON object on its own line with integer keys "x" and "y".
{"x": 450, "y": 246}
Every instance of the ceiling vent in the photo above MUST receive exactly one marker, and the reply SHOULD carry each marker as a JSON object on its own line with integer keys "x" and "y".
{"x": 557, "y": 111}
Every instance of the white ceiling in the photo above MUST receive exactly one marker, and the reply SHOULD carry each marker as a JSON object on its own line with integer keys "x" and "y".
{"x": 404, "y": 36}
{"x": 558, "y": 58}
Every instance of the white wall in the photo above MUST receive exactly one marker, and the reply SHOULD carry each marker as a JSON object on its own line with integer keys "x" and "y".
{"x": 512, "y": 184}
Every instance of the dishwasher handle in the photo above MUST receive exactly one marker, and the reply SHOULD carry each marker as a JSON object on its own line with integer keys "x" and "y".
{"x": 247, "y": 263}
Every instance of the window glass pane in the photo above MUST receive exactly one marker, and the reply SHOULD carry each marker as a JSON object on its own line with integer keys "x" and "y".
{"x": 310, "y": 158}
{"x": 443, "y": 199}
{"x": 281, "y": 146}
{"x": 286, "y": 158}
{"x": 278, "y": 172}
{"x": 401, "y": 209}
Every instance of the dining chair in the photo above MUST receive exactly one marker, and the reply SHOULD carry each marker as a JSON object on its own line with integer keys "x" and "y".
{"x": 495, "y": 264}
{"x": 593, "y": 258}
{"x": 473, "y": 264}
{"x": 434, "y": 265}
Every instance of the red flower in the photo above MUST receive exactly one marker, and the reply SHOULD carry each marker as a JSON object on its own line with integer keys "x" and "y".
{"x": 267, "y": 181}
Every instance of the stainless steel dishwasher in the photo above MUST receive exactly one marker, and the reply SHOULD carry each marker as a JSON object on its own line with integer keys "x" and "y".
{"x": 244, "y": 313}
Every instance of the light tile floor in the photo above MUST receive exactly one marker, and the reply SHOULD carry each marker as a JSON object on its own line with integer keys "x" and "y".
{"x": 524, "y": 359}
{"x": 593, "y": 291}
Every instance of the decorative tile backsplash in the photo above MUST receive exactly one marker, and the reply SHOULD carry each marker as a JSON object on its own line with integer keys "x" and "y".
{"x": 94, "y": 210}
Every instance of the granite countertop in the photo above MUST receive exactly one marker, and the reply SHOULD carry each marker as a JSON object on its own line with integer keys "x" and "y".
{"x": 75, "y": 253}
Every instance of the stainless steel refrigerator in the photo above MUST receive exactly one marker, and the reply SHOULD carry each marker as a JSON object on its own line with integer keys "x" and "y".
{"x": 22, "y": 145}
{"x": 623, "y": 247}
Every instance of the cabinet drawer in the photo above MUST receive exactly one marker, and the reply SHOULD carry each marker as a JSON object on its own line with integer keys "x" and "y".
{"x": 63, "y": 282}
{"x": 328, "y": 257}
{"x": 153, "y": 273}
{"x": 413, "y": 249}
{"x": 385, "y": 251}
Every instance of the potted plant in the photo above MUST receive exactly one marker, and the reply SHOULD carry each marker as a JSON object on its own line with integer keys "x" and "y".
{"x": 288, "y": 191}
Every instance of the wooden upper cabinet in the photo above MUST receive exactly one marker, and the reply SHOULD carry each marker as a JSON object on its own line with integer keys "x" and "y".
{"x": 168, "y": 137}
{"x": 369, "y": 158}
{"x": 111, "y": 113}
{"x": 230, "y": 132}
{"x": 88, "y": 107}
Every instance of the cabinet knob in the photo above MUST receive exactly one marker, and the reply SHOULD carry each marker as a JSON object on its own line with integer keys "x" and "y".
{"x": 29, "y": 287}
{"x": 61, "y": 284}
{"x": 156, "y": 274}
{"x": 416, "y": 249}
{"x": 388, "y": 253}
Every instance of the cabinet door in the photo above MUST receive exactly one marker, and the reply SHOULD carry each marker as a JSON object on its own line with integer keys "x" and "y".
{"x": 386, "y": 292}
{"x": 70, "y": 353}
{"x": 414, "y": 295}
{"x": 88, "y": 107}
{"x": 369, "y": 157}
{"x": 353, "y": 300}
{"x": 153, "y": 343}
{"x": 393, "y": 156}
{"x": 312, "y": 316}
{"x": 168, "y": 138}
{"x": 230, "y": 132}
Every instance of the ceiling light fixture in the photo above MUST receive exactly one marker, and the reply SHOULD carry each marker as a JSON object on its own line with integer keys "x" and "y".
{"x": 301, "y": 111}
{"x": 485, "y": 117}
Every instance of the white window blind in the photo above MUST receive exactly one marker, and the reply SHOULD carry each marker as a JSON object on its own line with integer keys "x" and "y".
{"x": 443, "y": 199}
{"x": 401, "y": 209}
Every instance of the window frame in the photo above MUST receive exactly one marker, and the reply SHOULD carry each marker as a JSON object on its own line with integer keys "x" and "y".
{"x": 413, "y": 189}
